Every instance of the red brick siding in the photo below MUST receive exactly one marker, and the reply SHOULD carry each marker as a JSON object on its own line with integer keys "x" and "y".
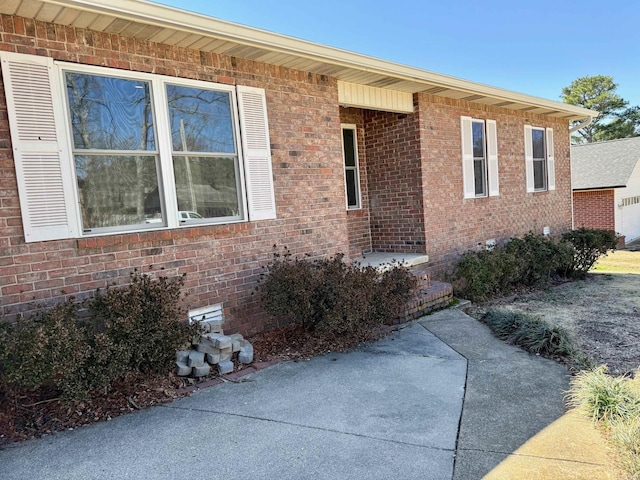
{"x": 222, "y": 262}
{"x": 454, "y": 224}
{"x": 358, "y": 220}
{"x": 594, "y": 209}
{"x": 395, "y": 179}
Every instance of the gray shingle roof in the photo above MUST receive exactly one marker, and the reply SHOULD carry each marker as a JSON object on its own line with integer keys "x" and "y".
{"x": 604, "y": 164}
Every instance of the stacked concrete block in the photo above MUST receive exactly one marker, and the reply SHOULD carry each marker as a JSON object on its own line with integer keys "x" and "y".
{"x": 213, "y": 348}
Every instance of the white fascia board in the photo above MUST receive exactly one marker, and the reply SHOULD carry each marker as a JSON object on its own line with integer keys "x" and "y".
{"x": 169, "y": 17}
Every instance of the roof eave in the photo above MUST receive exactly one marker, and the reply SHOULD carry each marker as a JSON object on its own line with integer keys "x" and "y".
{"x": 168, "y": 17}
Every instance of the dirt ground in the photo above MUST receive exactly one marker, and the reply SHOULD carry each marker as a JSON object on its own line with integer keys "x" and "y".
{"x": 602, "y": 313}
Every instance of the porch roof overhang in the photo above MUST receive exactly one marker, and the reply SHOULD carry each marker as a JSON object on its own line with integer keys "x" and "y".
{"x": 158, "y": 23}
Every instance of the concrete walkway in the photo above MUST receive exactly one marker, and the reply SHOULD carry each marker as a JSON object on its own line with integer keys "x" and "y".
{"x": 439, "y": 399}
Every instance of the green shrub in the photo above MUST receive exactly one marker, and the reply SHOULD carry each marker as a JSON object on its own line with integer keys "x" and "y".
{"x": 143, "y": 322}
{"x": 136, "y": 328}
{"x": 538, "y": 258}
{"x": 332, "y": 297}
{"x": 588, "y": 246}
{"x": 523, "y": 262}
{"x": 534, "y": 334}
{"x": 48, "y": 347}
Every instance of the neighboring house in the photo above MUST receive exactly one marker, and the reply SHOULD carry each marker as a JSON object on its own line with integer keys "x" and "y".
{"x": 606, "y": 186}
{"x": 117, "y": 116}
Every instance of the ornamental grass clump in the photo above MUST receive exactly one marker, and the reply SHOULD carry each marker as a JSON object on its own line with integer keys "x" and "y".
{"x": 613, "y": 403}
{"x": 533, "y": 334}
{"x": 603, "y": 397}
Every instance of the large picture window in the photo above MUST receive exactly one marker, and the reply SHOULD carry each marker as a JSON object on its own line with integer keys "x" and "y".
{"x": 117, "y": 160}
{"x": 100, "y": 150}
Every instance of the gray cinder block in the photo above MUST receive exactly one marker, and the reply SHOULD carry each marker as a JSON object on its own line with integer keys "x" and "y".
{"x": 246, "y": 353}
{"x": 182, "y": 369}
{"x": 196, "y": 359}
{"x": 202, "y": 370}
{"x": 225, "y": 367}
{"x": 213, "y": 358}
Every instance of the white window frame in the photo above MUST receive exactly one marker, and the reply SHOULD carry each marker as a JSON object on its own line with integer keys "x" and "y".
{"x": 356, "y": 168}
{"x": 254, "y": 176}
{"x": 549, "y": 160}
{"x": 491, "y": 172}
{"x": 164, "y": 148}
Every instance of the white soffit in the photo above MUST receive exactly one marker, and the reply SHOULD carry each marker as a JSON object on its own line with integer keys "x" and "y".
{"x": 363, "y": 96}
{"x": 149, "y": 21}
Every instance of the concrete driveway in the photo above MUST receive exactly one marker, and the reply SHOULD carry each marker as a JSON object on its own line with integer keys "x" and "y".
{"x": 439, "y": 399}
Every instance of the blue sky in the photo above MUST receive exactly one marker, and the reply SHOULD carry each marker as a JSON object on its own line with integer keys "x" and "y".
{"x": 530, "y": 47}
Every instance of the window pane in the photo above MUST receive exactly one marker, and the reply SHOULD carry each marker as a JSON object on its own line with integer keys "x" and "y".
{"x": 478, "y": 139}
{"x": 115, "y": 191}
{"x": 539, "y": 175}
{"x": 110, "y": 113}
{"x": 206, "y": 186}
{"x": 352, "y": 195}
{"x": 200, "y": 120}
{"x": 480, "y": 176}
{"x": 538, "y": 143}
{"x": 349, "y": 147}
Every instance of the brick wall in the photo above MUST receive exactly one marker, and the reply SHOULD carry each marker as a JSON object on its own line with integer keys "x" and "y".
{"x": 395, "y": 179}
{"x": 594, "y": 209}
{"x": 358, "y": 220}
{"x": 454, "y": 224}
{"x": 222, "y": 262}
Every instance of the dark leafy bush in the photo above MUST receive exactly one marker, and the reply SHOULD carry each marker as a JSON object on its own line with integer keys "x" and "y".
{"x": 144, "y": 320}
{"x": 129, "y": 329}
{"x": 332, "y": 297}
{"x": 538, "y": 258}
{"x": 49, "y": 347}
{"x": 523, "y": 262}
{"x": 588, "y": 246}
{"x": 534, "y": 334}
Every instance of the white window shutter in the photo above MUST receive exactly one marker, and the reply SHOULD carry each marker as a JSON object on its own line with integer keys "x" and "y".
{"x": 492, "y": 158}
{"x": 467, "y": 157}
{"x": 528, "y": 157}
{"x": 256, "y": 148}
{"x": 551, "y": 161}
{"x": 43, "y": 168}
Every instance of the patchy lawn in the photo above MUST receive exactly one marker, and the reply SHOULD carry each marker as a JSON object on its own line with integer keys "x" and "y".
{"x": 602, "y": 313}
{"x": 621, "y": 261}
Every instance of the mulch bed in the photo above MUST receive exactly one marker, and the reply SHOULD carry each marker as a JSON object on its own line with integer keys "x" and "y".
{"x": 32, "y": 413}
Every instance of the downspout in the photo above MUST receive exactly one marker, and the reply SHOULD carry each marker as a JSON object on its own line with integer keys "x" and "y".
{"x": 586, "y": 123}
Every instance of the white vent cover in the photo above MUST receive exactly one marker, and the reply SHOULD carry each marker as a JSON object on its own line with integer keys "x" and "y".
{"x": 210, "y": 313}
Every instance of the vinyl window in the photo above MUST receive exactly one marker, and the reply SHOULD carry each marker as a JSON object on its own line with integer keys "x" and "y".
{"x": 479, "y": 157}
{"x": 99, "y": 150}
